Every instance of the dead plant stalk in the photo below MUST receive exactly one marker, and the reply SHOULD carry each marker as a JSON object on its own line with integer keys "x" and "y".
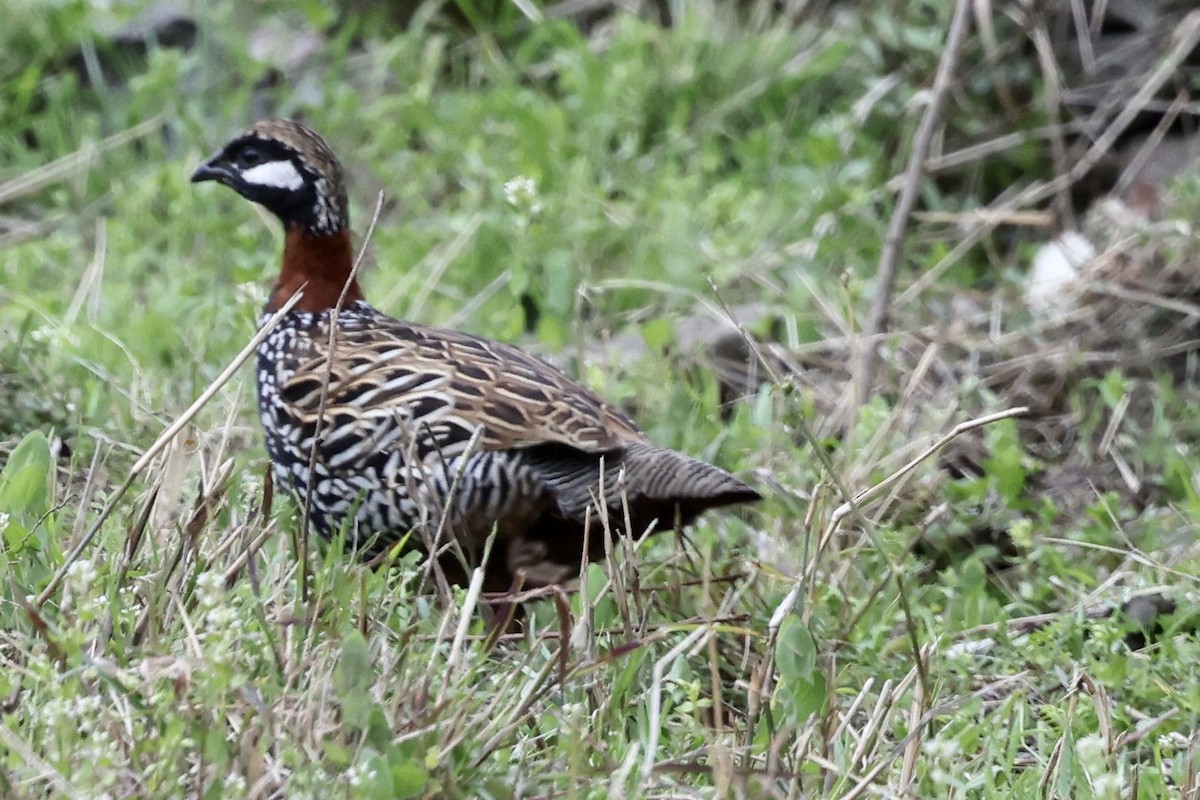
{"x": 893, "y": 243}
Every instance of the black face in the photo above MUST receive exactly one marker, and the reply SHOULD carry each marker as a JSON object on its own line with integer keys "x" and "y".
{"x": 270, "y": 173}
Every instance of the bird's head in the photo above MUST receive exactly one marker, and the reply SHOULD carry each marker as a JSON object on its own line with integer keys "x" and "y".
{"x": 286, "y": 167}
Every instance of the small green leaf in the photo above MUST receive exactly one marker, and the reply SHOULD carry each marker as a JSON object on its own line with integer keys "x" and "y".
{"x": 796, "y": 653}
{"x": 377, "y": 780}
{"x": 553, "y": 331}
{"x": 26, "y": 480}
{"x": 352, "y": 680}
{"x": 658, "y": 332}
{"x": 14, "y": 534}
{"x": 1005, "y": 467}
{"x": 807, "y": 697}
{"x": 354, "y": 665}
{"x": 356, "y": 708}
{"x": 408, "y": 778}
{"x": 216, "y": 749}
{"x": 379, "y": 732}
{"x": 338, "y": 754}
{"x": 802, "y": 684}
{"x": 828, "y": 61}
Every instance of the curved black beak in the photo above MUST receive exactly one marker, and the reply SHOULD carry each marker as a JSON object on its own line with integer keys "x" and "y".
{"x": 214, "y": 169}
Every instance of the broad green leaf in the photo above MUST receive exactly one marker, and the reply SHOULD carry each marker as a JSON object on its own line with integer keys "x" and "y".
{"x": 352, "y": 679}
{"x": 408, "y": 778}
{"x": 216, "y": 748}
{"x": 356, "y": 707}
{"x": 377, "y": 777}
{"x": 807, "y": 697}
{"x": 796, "y": 653}
{"x": 26, "y": 480}
{"x": 379, "y": 732}
{"x": 801, "y": 682}
{"x": 353, "y": 670}
{"x": 658, "y": 332}
{"x": 337, "y": 754}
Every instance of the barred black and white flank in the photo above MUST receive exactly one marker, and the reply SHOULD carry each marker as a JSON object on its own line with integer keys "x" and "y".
{"x": 426, "y": 429}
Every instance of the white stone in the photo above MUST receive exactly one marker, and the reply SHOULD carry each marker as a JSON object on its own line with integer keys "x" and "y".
{"x": 1056, "y": 270}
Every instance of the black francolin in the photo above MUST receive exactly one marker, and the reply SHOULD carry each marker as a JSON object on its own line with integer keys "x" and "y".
{"x": 434, "y": 432}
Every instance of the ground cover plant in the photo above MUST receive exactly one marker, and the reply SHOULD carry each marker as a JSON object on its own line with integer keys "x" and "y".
{"x": 685, "y": 207}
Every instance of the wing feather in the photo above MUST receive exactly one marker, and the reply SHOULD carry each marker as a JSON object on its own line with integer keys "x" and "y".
{"x": 386, "y": 372}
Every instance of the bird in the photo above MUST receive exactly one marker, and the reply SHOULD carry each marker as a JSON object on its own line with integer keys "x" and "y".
{"x": 398, "y": 432}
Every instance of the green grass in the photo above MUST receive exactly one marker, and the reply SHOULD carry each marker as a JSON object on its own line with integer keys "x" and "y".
{"x": 770, "y": 653}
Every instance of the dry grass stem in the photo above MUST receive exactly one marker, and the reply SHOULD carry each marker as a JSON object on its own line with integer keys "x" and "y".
{"x": 163, "y": 440}
{"x": 893, "y": 242}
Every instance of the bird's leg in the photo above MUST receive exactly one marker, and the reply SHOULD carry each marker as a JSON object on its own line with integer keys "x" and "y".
{"x": 506, "y": 612}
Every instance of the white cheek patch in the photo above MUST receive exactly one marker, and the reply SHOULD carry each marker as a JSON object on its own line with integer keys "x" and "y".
{"x": 275, "y": 174}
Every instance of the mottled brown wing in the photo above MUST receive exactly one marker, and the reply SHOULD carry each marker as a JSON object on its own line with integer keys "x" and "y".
{"x": 446, "y": 385}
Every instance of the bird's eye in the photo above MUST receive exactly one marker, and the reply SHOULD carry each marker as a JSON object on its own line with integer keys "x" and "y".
{"x": 250, "y": 156}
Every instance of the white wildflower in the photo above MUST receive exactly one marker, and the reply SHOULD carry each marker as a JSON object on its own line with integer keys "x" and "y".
{"x": 1173, "y": 741}
{"x": 54, "y": 711}
{"x": 1090, "y": 751}
{"x": 359, "y": 774}
{"x": 521, "y": 193}
{"x": 1108, "y": 785}
{"x": 942, "y": 750}
{"x": 80, "y": 576}
{"x": 224, "y": 617}
{"x": 251, "y": 293}
{"x": 54, "y": 335}
{"x": 210, "y": 589}
{"x": 87, "y": 706}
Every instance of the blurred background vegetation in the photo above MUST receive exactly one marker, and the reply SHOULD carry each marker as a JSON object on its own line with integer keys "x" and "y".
{"x": 613, "y": 185}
